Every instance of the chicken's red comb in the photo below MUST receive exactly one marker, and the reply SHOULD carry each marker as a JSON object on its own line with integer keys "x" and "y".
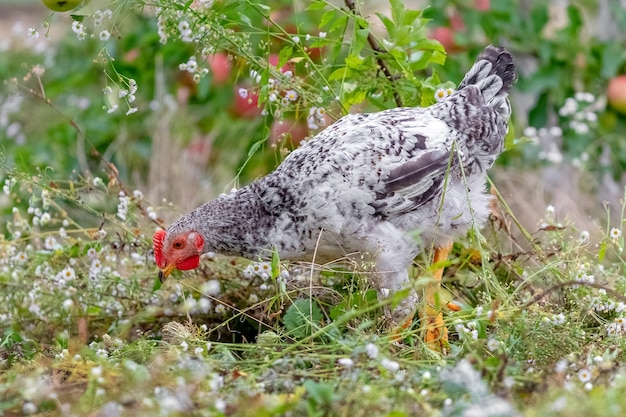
{"x": 157, "y": 241}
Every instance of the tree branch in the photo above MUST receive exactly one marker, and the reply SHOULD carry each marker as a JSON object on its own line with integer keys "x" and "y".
{"x": 379, "y": 51}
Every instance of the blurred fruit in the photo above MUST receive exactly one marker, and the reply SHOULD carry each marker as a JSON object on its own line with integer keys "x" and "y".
{"x": 616, "y": 93}
{"x": 482, "y": 5}
{"x": 289, "y": 66}
{"x": 61, "y": 5}
{"x": 445, "y": 36}
{"x": 246, "y": 104}
{"x": 219, "y": 67}
{"x": 290, "y": 131}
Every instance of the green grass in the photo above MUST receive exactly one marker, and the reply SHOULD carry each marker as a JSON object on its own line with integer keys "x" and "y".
{"x": 89, "y": 329}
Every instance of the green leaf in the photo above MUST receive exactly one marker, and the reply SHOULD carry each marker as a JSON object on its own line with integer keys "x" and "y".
{"x": 284, "y": 55}
{"x": 602, "y": 252}
{"x": 255, "y": 147}
{"x": 275, "y": 265}
{"x": 360, "y": 39}
{"x": 510, "y": 137}
{"x": 317, "y": 5}
{"x": 320, "y": 393}
{"x": 302, "y": 318}
{"x": 340, "y": 23}
{"x": 245, "y": 19}
{"x": 389, "y": 25}
{"x": 339, "y": 74}
{"x": 157, "y": 284}
{"x": 354, "y": 62}
{"x": 326, "y": 18}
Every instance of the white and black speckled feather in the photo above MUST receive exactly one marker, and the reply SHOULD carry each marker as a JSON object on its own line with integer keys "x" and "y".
{"x": 371, "y": 181}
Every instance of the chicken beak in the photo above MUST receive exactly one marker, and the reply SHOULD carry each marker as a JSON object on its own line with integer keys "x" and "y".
{"x": 165, "y": 272}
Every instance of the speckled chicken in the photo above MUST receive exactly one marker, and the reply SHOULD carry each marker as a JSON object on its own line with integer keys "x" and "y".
{"x": 379, "y": 186}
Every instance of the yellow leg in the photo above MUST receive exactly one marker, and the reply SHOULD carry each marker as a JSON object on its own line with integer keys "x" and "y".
{"x": 436, "y": 333}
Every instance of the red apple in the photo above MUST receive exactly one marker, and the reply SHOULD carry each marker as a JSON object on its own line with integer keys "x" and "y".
{"x": 290, "y": 131}
{"x": 289, "y": 66}
{"x": 246, "y": 104}
{"x": 616, "y": 93}
{"x": 220, "y": 67}
{"x": 445, "y": 36}
{"x": 482, "y": 5}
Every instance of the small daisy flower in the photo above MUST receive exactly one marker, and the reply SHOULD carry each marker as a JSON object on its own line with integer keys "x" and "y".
{"x": 295, "y": 39}
{"x": 371, "y": 350}
{"x": 441, "y": 94}
{"x": 583, "y": 237}
{"x": 584, "y": 375}
{"x": 220, "y": 309}
{"x": 346, "y": 362}
{"x": 493, "y": 344}
{"x": 390, "y": 365}
{"x": 183, "y": 26}
{"x": 615, "y": 233}
{"x": 561, "y": 366}
{"x": 291, "y": 95}
{"x": 105, "y": 35}
{"x": 77, "y": 27}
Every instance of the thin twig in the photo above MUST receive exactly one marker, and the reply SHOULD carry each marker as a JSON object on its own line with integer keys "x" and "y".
{"x": 379, "y": 51}
{"x": 546, "y": 292}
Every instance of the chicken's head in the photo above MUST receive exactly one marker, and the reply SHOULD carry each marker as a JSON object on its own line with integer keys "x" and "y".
{"x": 177, "y": 251}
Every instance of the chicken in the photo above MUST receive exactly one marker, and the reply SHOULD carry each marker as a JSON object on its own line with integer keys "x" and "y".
{"x": 380, "y": 186}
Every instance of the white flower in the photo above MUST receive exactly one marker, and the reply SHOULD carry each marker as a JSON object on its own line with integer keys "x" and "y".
{"x": 390, "y": 365}
{"x": 29, "y": 408}
{"x": 371, "y": 350}
{"x": 220, "y": 309}
{"x": 211, "y": 287}
{"x": 295, "y": 39}
{"x": 105, "y": 35}
{"x": 243, "y": 93}
{"x": 183, "y": 26}
{"x": 584, "y": 375}
{"x": 441, "y": 94}
{"x": 345, "y": 362}
{"x": 615, "y": 233}
{"x": 67, "y": 304}
{"x": 550, "y": 210}
{"x": 530, "y": 132}
{"x": 96, "y": 371}
{"x": 493, "y": 344}
{"x": 184, "y": 346}
{"x": 77, "y": 27}
{"x": 322, "y": 35}
{"x": 131, "y": 111}
{"x": 291, "y": 95}
{"x": 584, "y": 236}
{"x": 51, "y": 243}
{"x": 561, "y": 366}
{"x": 44, "y": 219}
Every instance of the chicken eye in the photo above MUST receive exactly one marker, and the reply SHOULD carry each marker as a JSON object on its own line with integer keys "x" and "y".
{"x": 178, "y": 244}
